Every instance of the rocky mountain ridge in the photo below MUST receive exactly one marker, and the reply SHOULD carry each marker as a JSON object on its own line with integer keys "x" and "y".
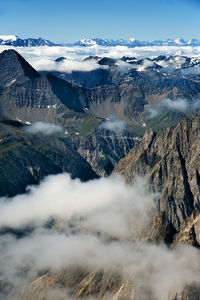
{"x": 170, "y": 161}
{"x": 13, "y": 40}
{"x": 132, "y": 42}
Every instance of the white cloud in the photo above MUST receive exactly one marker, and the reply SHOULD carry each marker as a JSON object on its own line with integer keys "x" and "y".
{"x": 112, "y": 123}
{"x": 86, "y": 214}
{"x": 153, "y": 269}
{"x": 179, "y": 105}
{"x": 44, "y": 128}
{"x": 145, "y": 64}
{"x": 43, "y": 57}
{"x": 65, "y": 66}
{"x": 108, "y": 199}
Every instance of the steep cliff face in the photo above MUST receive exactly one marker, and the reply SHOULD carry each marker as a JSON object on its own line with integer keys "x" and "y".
{"x": 189, "y": 231}
{"x": 171, "y": 162}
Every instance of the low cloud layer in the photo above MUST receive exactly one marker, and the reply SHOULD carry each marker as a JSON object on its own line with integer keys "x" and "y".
{"x": 67, "y": 65}
{"x": 179, "y": 105}
{"x": 155, "y": 270}
{"x": 43, "y": 58}
{"x": 104, "y": 204}
{"x": 95, "y": 225}
{"x": 114, "y": 124}
{"x": 44, "y": 128}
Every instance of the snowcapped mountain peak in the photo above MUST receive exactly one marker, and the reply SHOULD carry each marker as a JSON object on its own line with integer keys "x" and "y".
{"x": 13, "y": 40}
{"x": 87, "y": 42}
{"x": 8, "y": 37}
{"x": 132, "y": 40}
{"x": 179, "y": 41}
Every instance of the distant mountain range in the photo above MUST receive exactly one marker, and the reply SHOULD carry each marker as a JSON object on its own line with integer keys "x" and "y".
{"x": 132, "y": 42}
{"x": 12, "y": 40}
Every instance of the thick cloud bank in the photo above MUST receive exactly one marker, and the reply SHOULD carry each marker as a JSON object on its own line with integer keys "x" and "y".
{"x": 103, "y": 204}
{"x": 43, "y": 58}
{"x": 93, "y": 225}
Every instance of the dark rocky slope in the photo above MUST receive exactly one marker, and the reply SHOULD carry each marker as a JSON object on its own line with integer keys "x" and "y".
{"x": 25, "y": 159}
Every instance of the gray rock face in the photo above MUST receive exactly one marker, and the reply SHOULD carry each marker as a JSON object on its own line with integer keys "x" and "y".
{"x": 189, "y": 231}
{"x": 28, "y": 96}
{"x": 171, "y": 162}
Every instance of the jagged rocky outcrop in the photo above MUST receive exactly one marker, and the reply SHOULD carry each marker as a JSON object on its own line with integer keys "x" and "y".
{"x": 189, "y": 231}
{"x": 171, "y": 162}
{"x": 160, "y": 230}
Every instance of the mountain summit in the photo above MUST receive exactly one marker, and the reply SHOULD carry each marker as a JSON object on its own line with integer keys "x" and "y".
{"x": 14, "y": 40}
{"x": 14, "y": 68}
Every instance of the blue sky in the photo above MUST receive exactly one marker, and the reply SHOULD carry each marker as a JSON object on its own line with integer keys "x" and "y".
{"x": 68, "y": 21}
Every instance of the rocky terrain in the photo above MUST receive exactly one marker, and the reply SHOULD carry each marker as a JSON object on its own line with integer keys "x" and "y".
{"x": 25, "y": 159}
{"x": 27, "y": 97}
{"x": 78, "y": 282}
{"x": 103, "y": 149}
{"x": 132, "y": 245}
{"x": 130, "y": 88}
{"x": 170, "y": 160}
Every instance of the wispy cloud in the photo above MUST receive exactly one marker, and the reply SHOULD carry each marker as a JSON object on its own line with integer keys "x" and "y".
{"x": 65, "y": 66}
{"x": 61, "y": 197}
{"x": 44, "y": 128}
{"x": 114, "y": 124}
{"x": 179, "y": 105}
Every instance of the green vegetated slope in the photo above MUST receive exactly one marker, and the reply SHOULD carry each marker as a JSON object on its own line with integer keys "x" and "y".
{"x": 26, "y": 159}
